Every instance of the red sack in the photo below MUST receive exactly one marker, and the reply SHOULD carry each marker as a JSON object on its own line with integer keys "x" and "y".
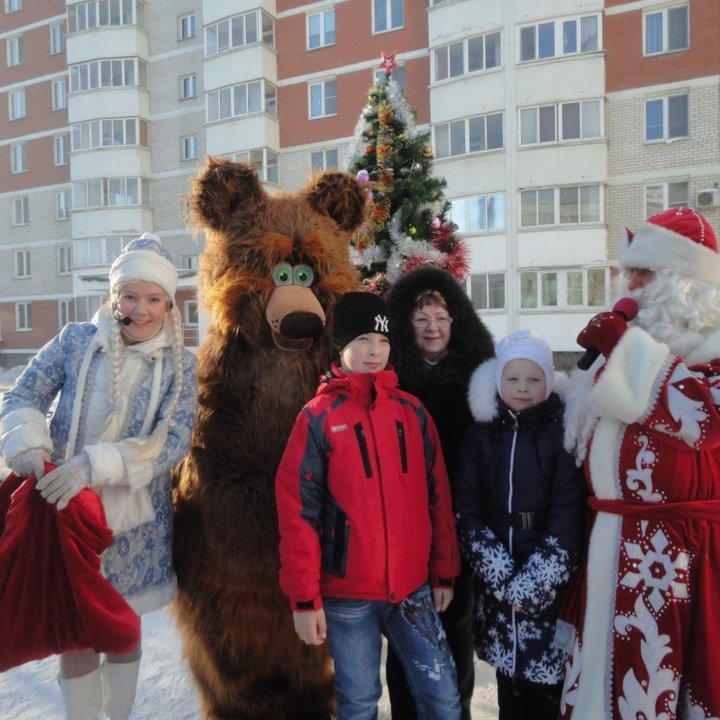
{"x": 53, "y": 597}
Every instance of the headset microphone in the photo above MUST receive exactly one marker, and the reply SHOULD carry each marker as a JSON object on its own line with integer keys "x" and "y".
{"x": 125, "y": 321}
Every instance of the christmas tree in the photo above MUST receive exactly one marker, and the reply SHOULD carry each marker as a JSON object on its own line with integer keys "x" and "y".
{"x": 408, "y": 223}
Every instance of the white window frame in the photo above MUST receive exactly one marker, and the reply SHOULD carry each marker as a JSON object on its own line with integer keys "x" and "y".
{"x": 21, "y": 210}
{"x": 190, "y": 262}
{"x": 442, "y": 57}
{"x": 63, "y": 204}
{"x": 109, "y": 132}
{"x": 241, "y": 100}
{"x": 191, "y": 313}
{"x": 188, "y": 86}
{"x": 667, "y": 102}
{"x": 94, "y": 251}
{"x": 60, "y": 150}
{"x": 189, "y": 147}
{"x": 111, "y": 192}
{"x": 532, "y": 115}
{"x": 57, "y": 38}
{"x": 665, "y": 16}
{"x": 58, "y": 94}
{"x": 105, "y": 13}
{"x": 398, "y": 75}
{"x": 187, "y": 27}
{"x": 326, "y": 36}
{"x": 14, "y": 46}
{"x": 555, "y": 195}
{"x": 558, "y": 35}
{"x": 323, "y": 159}
{"x": 17, "y": 107}
{"x": 663, "y": 196}
{"x": 86, "y": 306}
{"x": 231, "y": 33}
{"x": 382, "y": 16}
{"x": 318, "y": 92}
{"x": 265, "y": 161}
{"x": 460, "y": 130}
{"x": 465, "y": 210}
{"x": 63, "y": 258}
{"x": 23, "y": 316}
{"x": 66, "y": 312}
{"x": 23, "y": 268}
{"x": 480, "y": 287}
{"x": 18, "y": 158}
{"x": 108, "y": 72}
{"x": 12, "y": 6}
{"x": 561, "y": 289}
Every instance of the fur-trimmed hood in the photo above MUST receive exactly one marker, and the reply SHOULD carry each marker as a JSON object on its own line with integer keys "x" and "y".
{"x": 483, "y": 394}
{"x": 470, "y": 341}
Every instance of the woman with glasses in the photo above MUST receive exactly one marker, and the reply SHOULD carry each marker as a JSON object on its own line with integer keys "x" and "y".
{"x": 437, "y": 341}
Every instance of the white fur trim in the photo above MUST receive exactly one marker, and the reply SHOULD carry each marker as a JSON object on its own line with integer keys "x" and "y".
{"x": 706, "y": 352}
{"x": 624, "y": 389}
{"x": 144, "y": 265}
{"x": 125, "y": 509}
{"x": 23, "y": 429}
{"x": 106, "y": 463}
{"x": 482, "y": 391}
{"x": 656, "y": 248}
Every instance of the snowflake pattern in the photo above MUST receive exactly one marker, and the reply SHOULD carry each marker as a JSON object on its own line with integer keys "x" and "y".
{"x": 489, "y": 559}
{"x": 639, "y": 479}
{"x": 688, "y": 413}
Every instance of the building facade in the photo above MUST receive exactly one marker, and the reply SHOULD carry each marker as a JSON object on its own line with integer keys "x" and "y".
{"x": 556, "y": 124}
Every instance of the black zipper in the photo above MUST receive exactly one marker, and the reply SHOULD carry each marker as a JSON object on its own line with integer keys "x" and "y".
{"x": 362, "y": 442}
{"x": 403, "y": 449}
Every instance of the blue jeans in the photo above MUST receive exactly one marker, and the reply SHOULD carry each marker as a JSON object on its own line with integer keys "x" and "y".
{"x": 414, "y": 631}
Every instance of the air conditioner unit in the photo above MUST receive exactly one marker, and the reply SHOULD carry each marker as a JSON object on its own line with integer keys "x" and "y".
{"x": 707, "y": 198}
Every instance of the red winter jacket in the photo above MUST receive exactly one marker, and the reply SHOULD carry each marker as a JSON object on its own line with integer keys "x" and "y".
{"x": 363, "y": 496}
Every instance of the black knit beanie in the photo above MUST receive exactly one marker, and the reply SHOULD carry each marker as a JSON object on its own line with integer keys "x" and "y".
{"x": 358, "y": 313}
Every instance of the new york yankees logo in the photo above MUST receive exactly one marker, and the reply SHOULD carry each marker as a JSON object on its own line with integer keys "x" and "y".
{"x": 381, "y": 323}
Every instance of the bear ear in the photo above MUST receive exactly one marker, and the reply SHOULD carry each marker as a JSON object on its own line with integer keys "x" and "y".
{"x": 339, "y": 196}
{"x": 220, "y": 188}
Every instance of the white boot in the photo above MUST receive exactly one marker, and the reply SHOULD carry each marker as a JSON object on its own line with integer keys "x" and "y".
{"x": 82, "y": 696}
{"x": 119, "y": 682}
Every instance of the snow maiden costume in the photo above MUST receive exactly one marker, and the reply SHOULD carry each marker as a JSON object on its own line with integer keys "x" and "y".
{"x": 129, "y": 410}
{"x": 647, "y": 610}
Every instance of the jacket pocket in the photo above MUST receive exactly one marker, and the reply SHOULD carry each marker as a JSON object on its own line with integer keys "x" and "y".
{"x": 362, "y": 443}
{"x": 334, "y": 536}
{"x": 403, "y": 446}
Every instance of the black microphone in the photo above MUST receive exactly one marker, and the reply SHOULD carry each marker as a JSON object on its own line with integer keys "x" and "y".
{"x": 125, "y": 321}
{"x": 627, "y": 308}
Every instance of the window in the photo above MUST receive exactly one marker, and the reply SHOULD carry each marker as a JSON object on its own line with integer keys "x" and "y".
{"x": 18, "y": 158}
{"x": 562, "y": 121}
{"x": 323, "y": 99}
{"x": 60, "y": 150}
{"x": 188, "y": 87}
{"x": 59, "y": 98}
{"x": 265, "y": 162}
{"x": 667, "y": 30}
{"x": 21, "y": 210}
{"x": 191, "y": 315}
{"x": 242, "y": 99}
{"x": 245, "y": 29}
{"x": 475, "y": 134}
{"x": 190, "y": 147}
{"x": 57, "y": 38}
{"x": 481, "y": 52}
{"x": 14, "y": 50}
{"x": 324, "y": 159}
{"x": 487, "y": 291}
{"x": 398, "y": 75}
{"x": 22, "y": 264}
{"x": 66, "y": 312}
{"x": 64, "y": 259}
{"x": 16, "y": 102}
{"x": 667, "y": 118}
{"x": 572, "y": 205}
{"x": 388, "y": 15}
{"x": 105, "y": 13}
{"x": 121, "y": 72}
{"x": 13, "y": 5}
{"x": 86, "y": 307}
{"x": 190, "y": 262}
{"x": 97, "y": 251}
{"x": 114, "y": 132}
{"x": 563, "y": 288}
{"x": 321, "y": 29}
{"x": 23, "y": 316}
{"x": 186, "y": 27}
{"x": 560, "y": 37}
{"x": 479, "y": 214}
{"x": 107, "y": 192}
{"x": 666, "y": 195}
{"x": 63, "y": 204}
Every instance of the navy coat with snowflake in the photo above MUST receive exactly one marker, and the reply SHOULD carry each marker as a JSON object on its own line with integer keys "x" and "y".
{"x": 520, "y": 505}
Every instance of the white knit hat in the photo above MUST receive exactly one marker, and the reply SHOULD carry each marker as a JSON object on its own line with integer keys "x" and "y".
{"x": 144, "y": 259}
{"x": 526, "y": 345}
{"x": 679, "y": 239}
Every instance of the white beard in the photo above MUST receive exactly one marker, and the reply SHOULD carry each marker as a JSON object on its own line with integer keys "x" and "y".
{"x": 581, "y": 415}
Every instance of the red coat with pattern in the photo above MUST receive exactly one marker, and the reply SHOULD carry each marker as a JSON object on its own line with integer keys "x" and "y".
{"x": 363, "y": 496}
{"x": 648, "y": 606}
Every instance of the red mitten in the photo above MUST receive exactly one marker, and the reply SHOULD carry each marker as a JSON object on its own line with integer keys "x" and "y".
{"x": 603, "y": 332}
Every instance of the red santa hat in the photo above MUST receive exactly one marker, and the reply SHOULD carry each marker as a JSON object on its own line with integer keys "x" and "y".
{"x": 679, "y": 239}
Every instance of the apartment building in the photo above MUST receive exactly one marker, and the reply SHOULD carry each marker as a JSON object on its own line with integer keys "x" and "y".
{"x": 556, "y": 123}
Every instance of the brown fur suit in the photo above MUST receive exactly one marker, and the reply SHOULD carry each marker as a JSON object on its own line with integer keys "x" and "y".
{"x": 260, "y": 363}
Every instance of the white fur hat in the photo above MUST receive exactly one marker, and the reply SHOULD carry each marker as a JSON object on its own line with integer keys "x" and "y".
{"x": 526, "y": 345}
{"x": 145, "y": 259}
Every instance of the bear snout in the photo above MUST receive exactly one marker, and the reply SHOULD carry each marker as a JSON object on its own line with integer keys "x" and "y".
{"x": 301, "y": 324}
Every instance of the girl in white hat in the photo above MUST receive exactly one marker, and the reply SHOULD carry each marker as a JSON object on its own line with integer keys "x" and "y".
{"x": 126, "y": 407}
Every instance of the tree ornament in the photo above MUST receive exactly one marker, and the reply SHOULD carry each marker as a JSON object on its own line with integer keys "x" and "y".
{"x": 363, "y": 176}
{"x": 387, "y": 61}
{"x": 427, "y": 151}
{"x": 416, "y": 167}
{"x": 412, "y": 230}
{"x": 435, "y": 223}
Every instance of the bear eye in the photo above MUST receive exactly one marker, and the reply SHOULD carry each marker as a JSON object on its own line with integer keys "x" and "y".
{"x": 283, "y": 274}
{"x": 303, "y": 275}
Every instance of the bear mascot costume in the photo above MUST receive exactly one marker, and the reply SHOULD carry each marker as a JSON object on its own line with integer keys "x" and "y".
{"x": 271, "y": 273}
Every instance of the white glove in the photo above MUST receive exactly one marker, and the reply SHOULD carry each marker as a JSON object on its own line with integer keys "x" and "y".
{"x": 29, "y": 462}
{"x": 63, "y": 483}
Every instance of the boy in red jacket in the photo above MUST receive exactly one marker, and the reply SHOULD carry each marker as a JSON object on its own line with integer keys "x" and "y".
{"x": 366, "y": 525}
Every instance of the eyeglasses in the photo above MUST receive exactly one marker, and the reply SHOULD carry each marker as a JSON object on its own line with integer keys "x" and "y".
{"x": 422, "y": 323}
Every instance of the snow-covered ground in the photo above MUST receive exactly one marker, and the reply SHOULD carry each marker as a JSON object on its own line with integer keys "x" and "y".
{"x": 165, "y": 691}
